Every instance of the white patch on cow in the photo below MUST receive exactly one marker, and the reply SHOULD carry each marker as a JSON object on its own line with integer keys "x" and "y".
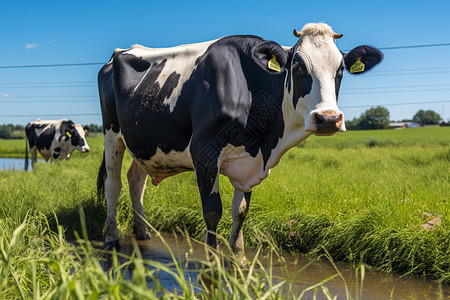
{"x": 114, "y": 149}
{"x": 243, "y": 170}
{"x": 162, "y": 165}
{"x": 180, "y": 59}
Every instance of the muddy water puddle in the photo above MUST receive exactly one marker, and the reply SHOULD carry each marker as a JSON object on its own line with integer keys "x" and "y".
{"x": 375, "y": 286}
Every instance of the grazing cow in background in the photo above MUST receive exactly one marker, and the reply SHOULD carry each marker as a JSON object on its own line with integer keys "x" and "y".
{"x": 232, "y": 106}
{"x": 54, "y": 139}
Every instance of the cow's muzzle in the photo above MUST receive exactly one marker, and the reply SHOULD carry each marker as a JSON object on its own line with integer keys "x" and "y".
{"x": 328, "y": 124}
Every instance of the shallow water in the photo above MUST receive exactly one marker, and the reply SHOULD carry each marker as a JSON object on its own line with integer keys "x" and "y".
{"x": 376, "y": 285}
{"x": 15, "y": 163}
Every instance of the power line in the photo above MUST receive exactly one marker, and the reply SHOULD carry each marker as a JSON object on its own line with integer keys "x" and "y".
{"x": 351, "y": 91}
{"x": 396, "y": 87}
{"x": 102, "y": 63}
{"x": 53, "y": 65}
{"x": 396, "y": 91}
{"x": 409, "y": 47}
{"x": 46, "y": 86}
{"x": 40, "y": 97}
{"x": 396, "y": 104}
{"x": 99, "y": 114}
{"x": 49, "y": 115}
{"x": 47, "y": 101}
{"x": 415, "y": 46}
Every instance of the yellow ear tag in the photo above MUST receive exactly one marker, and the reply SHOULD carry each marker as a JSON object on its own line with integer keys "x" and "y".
{"x": 85, "y": 130}
{"x": 273, "y": 65}
{"x": 68, "y": 134}
{"x": 358, "y": 66}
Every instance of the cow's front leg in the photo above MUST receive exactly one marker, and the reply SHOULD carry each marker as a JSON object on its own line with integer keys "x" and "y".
{"x": 239, "y": 210}
{"x": 207, "y": 176}
{"x": 114, "y": 150}
{"x": 137, "y": 179}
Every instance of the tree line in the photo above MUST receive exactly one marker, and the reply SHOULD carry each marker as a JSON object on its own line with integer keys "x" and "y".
{"x": 378, "y": 118}
{"x": 11, "y": 131}
{"x": 372, "y": 118}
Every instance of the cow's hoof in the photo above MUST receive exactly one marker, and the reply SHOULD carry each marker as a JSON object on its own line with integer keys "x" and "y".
{"x": 242, "y": 261}
{"x": 144, "y": 236}
{"x": 113, "y": 245}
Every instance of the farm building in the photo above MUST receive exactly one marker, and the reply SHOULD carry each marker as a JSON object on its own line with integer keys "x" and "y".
{"x": 399, "y": 125}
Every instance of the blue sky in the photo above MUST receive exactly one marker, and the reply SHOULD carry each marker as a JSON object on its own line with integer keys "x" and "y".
{"x": 62, "y": 32}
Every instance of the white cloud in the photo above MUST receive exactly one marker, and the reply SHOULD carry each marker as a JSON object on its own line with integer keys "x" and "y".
{"x": 6, "y": 95}
{"x": 51, "y": 41}
{"x": 31, "y": 45}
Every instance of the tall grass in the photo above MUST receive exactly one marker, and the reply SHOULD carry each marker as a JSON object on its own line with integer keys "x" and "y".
{"x": 359, "y": 196}
{"x": 38, "y": 263}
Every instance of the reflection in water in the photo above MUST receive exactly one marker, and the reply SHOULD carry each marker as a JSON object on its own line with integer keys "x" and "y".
{"x": 375, "y": 286}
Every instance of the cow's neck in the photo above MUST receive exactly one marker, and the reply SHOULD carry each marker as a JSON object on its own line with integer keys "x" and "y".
{"x": 294, "y": 130}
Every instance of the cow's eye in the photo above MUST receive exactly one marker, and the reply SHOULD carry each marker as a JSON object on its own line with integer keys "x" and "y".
{"x": 300, "y": 69}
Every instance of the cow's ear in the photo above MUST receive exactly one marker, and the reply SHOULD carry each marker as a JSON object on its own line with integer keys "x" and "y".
{"x": 85, "y": 128}
{"x": 362, "y": 59}
{"x": 68, "y": 134}
{"x": 270, "y": 57}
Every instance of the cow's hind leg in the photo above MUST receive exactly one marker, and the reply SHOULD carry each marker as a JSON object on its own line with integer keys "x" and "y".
{"x": 137, "y": 179}
{"x": 114, "y": 150}
{"x": 33, "y": 151}
{"x": 239, "y": 210}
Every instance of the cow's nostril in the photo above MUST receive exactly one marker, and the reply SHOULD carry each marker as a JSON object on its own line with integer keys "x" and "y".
{"x": 318, "y": 120}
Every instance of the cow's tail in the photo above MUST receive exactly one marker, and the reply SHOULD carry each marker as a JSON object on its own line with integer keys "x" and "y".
{"x": 101, "y": 177}
{"x": 26, "y": 154}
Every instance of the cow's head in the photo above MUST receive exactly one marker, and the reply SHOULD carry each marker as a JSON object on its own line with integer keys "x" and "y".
{"x": 317, "y": 67}
{"x": 76, "y": 134}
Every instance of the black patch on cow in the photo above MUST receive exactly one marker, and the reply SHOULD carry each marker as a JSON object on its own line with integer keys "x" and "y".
{"x": 338, "y": 78}
{"x": 45, "y": 139}
{"x": 31, "y": 134}
{"x": 301, "y": 78}
{"x": 108, "y": 99}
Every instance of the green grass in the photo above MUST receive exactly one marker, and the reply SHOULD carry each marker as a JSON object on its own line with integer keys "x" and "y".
{"x": 360, "y": 196}
{"x": 38, "y": 263}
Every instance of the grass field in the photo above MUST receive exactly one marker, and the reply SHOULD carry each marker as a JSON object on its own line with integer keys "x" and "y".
{"x": 360, "y": 196}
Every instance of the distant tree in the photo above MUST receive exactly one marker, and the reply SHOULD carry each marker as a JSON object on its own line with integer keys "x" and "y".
{"x": 374, "y": 118}
{"x": 19, "y": 128}
{"x": 6, "y": 131}
{"x": 352, "y": 124}
{"x": 427, "y": 117}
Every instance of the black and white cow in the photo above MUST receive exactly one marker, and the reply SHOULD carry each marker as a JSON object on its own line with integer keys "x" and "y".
{"x": 54, "y": 139}
{"x": 231, "y": 106}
